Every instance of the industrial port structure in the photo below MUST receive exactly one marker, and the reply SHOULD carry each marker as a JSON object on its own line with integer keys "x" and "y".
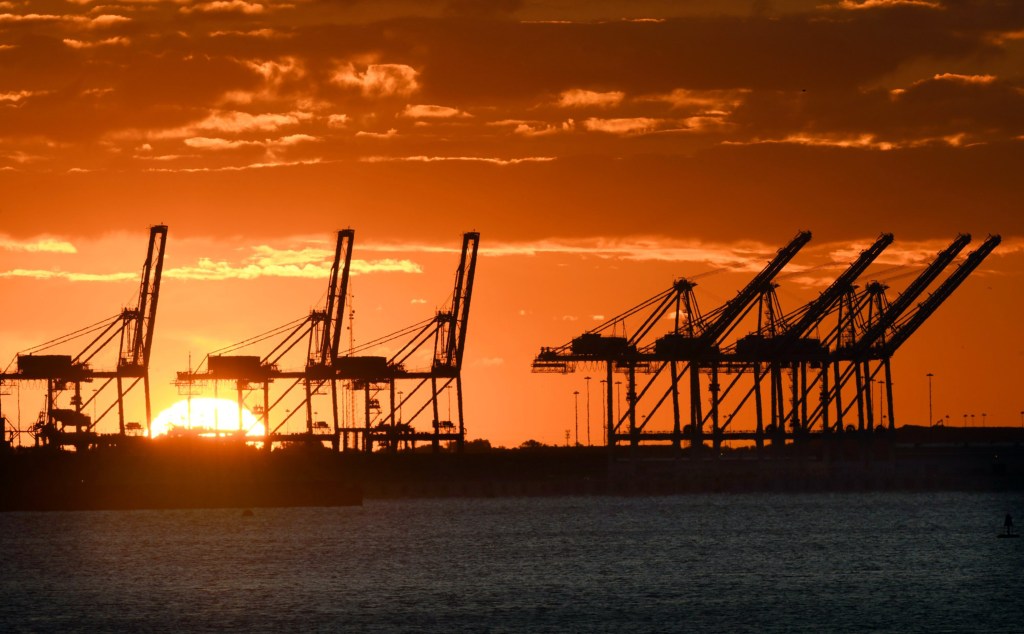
{"x": 809, "y": 372}
{"x": 117, "y": 352}
{"x": 405, "y": 372}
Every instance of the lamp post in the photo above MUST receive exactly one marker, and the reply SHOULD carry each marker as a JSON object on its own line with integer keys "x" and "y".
{"x": 1022, "y": 418}
{"x": 587, "y": 379}
{"x": 983, "y": 419}
{"x": 972, "y": 420}
{"x": 931, "y": 421}
{"x": 618, "y": 400}
{"x": 604, "y": 409}
{"x": 576, "y": 413}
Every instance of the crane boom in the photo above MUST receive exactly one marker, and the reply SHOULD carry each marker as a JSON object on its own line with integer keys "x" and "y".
{"x": 461, "y": 297}
{"x": 737, "y": 305}
{"x": 139, "y": 340}
{"x": 337, "y": 292}
{"x": 924, "y": 310}
{"x": 898, "y": 306}
{"x": 817, "y": 308}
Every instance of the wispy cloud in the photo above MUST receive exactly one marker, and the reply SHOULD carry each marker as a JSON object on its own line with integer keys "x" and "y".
{"x": 635, "y": 125}
{"x": 433, "y": 112}
{"x": 855, "y": 5}
{"x": 462, "y": 159}
{"x": 42, "y": 245}
{"x": 581, "y": 98}
{"x": 379, "y": 80}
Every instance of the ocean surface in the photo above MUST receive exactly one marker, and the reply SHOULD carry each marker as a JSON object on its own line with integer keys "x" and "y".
{"x": 720, "y": 563}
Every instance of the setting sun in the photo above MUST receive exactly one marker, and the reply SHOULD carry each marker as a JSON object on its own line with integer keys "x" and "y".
{"x": 205, "y": 417}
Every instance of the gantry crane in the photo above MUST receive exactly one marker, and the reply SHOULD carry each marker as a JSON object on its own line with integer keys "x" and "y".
{"x": 320, "y": 332}
{"x": 783, "y": 342}
{"x": 692, "y": 346}
{"x": 424, "y": 377}
{"x": 882, "y": 347}
{"x": 865, "y": 318}
{"x": 131, "y": 331}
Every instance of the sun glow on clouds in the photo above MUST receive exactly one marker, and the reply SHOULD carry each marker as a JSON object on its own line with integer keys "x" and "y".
{"x": 379, "y": 80}
{"x": 854, "y": 5}
{"x": 635, "y": 125}
{"x": 433, "y": 112}
{"x": 42, "y": 245}
{"x": 578, "y": 98}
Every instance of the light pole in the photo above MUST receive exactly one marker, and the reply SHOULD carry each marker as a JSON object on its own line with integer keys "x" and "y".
{"x": 972, "y": 420}
{"x": 983, "y": 418}
{"x": 587, "y": 379}
{"x": 576, "y": 413}
{"x": 931, "y": 421}
{"x": 965, "y": 420}
{"x": 1022, "y": 418}
{"x": 604, "y": 407}
{"x": 618, "y": 400}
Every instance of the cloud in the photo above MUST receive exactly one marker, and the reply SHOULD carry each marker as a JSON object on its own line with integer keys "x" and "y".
{"x": 582, "y": 98}
{"x": 110, "y": 41}
{"x": 379, "y": 80}
{"x": 15, "y": 97}
{"x": 42, "y": 245}
{"x": 432, "y": 112}
{"x": 457, "y": 159}
{"x": 38, "y": 274}
{"x": 390, "y": 134}
{"x": 965, "y": 79}
{"x": 855, "y": 5}
{"x": 635, "y": 125}
{"x": 224, "y": 6}
{"x": 702, "y": 100}
{"x": 234, "y": 121}
{"x": 337, "y": 120}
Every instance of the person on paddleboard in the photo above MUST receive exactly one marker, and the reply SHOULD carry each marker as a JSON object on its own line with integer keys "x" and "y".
{"x": 1008, "y": 523}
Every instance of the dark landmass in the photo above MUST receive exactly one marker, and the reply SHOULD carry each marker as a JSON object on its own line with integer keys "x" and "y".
{"x": 206, "y": 474}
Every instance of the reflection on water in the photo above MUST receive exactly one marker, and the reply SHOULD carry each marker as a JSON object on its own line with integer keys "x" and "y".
{"x": 822, "y": 562}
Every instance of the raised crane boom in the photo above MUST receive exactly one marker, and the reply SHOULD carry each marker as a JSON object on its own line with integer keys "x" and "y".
{"x": 337, "y": 293}
{"x": 816, "y": 309}
{"x": 733, "y": 309}
{"x": 897, "y": 307}
{"x": 138, "y": 343}
{"x": 453, "y": 339}
{"x": 924, "y": 310}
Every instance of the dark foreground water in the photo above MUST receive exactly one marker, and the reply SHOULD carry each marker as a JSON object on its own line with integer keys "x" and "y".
{"x": 781, "y": 562}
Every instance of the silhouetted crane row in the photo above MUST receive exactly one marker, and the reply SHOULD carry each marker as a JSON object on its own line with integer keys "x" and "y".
{"x": 806, "y": 373}
{"x": 364, "y": 375}
{"x": 693, "y": 344}
{"x": 886, "y": 326}
{"x": 320, "y": 332}
{"x": 426, "y": 363}
{"x": 131, "y": 332}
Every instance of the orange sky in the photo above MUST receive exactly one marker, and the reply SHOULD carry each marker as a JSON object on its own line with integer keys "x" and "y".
{"x": 601, "y": 149}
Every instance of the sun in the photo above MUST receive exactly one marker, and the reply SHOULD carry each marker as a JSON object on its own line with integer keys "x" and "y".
{"x": 205, "y": 417}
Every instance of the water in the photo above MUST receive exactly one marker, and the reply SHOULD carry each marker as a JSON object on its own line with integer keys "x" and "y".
{"x": 730, "y": 563}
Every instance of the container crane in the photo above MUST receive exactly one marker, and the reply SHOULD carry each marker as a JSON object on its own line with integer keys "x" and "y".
{"x": 694, "y": 342}
{"x": 868, "y": 318}
{"x": 783, "y": 342}
{"x": 131, "y": 331}
{"x": 427, "y": 378}
{"x": 320, "y": 332}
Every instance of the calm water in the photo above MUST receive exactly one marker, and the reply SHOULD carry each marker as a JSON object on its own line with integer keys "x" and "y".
{"x": 787, "y": 562}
